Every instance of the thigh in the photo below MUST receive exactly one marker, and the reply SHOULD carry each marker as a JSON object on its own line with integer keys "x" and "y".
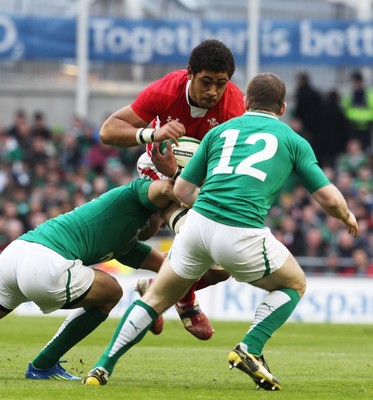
{"x": 104, "y": 293}
{"x": 190, "y": 252}
{"x": 167, "y": 289}
{"x": 290, "y": 275}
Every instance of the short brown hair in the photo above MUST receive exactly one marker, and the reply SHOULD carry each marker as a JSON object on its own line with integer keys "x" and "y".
{"x": 266, "y": 92}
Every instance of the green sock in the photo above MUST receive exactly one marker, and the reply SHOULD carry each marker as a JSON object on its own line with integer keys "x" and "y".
{"x": 76, "y": 327}
{"x": 131, "y": 328}
{"x": 271, "y": 313}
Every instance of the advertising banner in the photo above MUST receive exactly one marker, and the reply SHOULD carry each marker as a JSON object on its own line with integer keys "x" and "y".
{"x": 327, "y": 299}
{"x": 143, "y": 41}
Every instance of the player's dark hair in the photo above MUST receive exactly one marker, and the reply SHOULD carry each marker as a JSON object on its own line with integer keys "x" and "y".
{"x": 212, "y": 55}
{"x": 266, "y": 92}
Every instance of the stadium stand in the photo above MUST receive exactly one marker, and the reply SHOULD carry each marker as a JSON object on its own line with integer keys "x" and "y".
{"x": 58, "y": 165}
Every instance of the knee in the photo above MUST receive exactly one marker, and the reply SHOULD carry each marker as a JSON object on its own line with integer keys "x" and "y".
{"x": 300, "y": 286}
{"x": 117, "y": 293}
{"x": 114, "y": 293}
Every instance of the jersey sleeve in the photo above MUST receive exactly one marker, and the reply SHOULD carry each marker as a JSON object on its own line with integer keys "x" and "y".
{"x": 136, "y": 256}
{"x": 308, "y": 169}
{"x": 141, "y": 187}
{"x": 144, "y": 103}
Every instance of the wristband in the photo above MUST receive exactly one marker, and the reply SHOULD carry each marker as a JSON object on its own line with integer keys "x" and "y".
{"x": 177, "y": 173}
{"x": 145, "y": 135}
{"x": 177, "y": 219}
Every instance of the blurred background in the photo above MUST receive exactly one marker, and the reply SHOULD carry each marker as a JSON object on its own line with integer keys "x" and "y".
{"x": 44, "y": 55}
{"x": 65, "y": 65}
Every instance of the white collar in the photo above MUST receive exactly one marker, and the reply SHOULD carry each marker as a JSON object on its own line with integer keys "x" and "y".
{"x": 261, "y": 114}
{"x": 195, "y": 112}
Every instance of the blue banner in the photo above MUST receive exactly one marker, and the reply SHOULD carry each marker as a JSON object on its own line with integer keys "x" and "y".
{"x": 309, "y": 42}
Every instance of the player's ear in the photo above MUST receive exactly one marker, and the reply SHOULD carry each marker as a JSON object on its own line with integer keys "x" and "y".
{"x": 246, "y": 103}
{"x": 190, "y": 73}
{"x": 283, "y": 109}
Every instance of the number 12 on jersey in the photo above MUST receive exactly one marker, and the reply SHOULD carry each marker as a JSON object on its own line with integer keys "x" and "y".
{"x": 245, "y": 167}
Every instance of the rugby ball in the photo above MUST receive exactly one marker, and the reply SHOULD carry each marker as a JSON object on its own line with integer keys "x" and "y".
{"x": 184, "y": 151}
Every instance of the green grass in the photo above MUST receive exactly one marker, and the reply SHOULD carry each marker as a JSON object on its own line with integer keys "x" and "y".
{"x": 312, "y": 361}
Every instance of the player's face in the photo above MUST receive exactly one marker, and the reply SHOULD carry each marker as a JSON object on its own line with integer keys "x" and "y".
{"x": 206, "y": 87}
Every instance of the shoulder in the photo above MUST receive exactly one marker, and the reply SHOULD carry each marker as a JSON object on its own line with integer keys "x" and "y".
{"x": 233, "y": 91}
{"x": 233, "y": 87}
{"x": 232, "y": 101}
{"x": 129, "y": 195}
{"x": 160, "y": 95}
{"x": 138, "y": 185}
{"x": 172, "y": 80}
{"x": 290, "y": 138}
{"x": 171, "y": 85}
{"x": 297, "y": 139}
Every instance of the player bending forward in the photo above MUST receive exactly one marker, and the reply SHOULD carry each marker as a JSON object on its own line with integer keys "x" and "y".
{"x": 184, "y": 102}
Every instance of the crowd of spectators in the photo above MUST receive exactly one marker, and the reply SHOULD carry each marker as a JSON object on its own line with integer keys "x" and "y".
{"x": 45, "y": 172}
{"x": 339, "y": 129}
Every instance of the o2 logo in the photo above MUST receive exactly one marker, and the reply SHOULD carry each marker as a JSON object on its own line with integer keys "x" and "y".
{"x": 9, "y": 44}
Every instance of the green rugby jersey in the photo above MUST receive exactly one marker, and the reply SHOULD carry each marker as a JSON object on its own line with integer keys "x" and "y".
{"x": 245, "y": 162}
{"x": 102, "y": 229}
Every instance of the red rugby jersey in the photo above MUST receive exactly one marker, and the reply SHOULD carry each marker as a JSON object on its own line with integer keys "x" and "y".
{"x": 166, "y": 99}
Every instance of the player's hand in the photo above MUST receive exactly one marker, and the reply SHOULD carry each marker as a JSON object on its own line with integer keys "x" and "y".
{"x": 351, "y": 224}
{"x": 170, "y": 131}
{"x": 166, "y": 164}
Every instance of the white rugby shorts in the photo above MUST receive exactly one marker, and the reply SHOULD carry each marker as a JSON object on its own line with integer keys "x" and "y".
{"x": 147, "y": 170}
{"x": 33, "y": 272}
{"x": 248, "y": 254}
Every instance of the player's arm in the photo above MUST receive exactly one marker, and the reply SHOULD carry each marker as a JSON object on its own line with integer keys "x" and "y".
{"x": 120, "y": 128}
{"x": 334, "y": 204}
{"x": 186, "y": 192}
{"x": 124, "y": 128}
{"x": 161, "y": 193}
{"x": 187, "y": 185}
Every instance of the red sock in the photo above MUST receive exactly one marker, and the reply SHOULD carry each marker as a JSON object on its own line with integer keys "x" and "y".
{"x": 188, "y": 299}
{"x": 201, "y": 284}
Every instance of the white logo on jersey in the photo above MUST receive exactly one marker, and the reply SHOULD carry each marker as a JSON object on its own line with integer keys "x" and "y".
{"x": 213, "y": 122}
{"x": 169, "y": 119}
{"x": 157, "y": 122}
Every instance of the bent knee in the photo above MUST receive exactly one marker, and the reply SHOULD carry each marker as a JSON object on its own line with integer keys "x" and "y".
{"x": 106, "y": 290}
{"x": 300, "y": 285}
{"x": 117, "y": 293}
{"x": 111, "y": 299}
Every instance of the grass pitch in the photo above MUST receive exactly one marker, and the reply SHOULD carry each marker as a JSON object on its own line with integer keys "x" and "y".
{"x": 312, "y": 361}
